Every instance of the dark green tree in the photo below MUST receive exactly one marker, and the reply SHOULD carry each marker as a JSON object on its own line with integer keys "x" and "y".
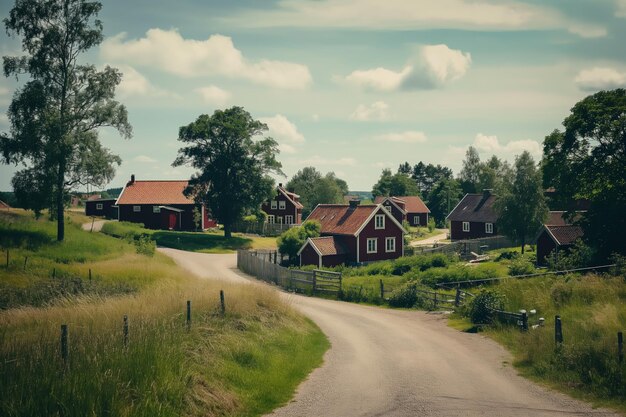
{"x": 588, "y": 161}
{"x": 521, "y": 205}
{"x": 290, "y": 242}
{"x": 314, "y": 189}
{"x": 56, "y": 115}
{"x": 233, "y": 166}
{"x": 444, "y": 197}
{"x": 398, "y": 184}
{"x": 470, "y": 172}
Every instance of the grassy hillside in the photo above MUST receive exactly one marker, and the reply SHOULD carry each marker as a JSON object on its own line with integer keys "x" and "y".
{"x": 246, "y": 362}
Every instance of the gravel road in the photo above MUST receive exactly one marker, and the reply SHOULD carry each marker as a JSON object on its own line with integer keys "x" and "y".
{"x": 401, "y": 363}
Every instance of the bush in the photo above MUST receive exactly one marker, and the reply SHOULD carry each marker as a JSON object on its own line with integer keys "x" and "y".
{"x": 508, "y": 255}
{"x": 521, "y": 266}
{"x": 408, "y": 296}
{"x": 431, "y": 225}
{"x": 145, "y": 245}
{"x": 480, "y": 310}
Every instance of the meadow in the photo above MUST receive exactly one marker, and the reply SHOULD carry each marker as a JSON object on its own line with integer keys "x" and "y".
{"x": 245, "y": 362}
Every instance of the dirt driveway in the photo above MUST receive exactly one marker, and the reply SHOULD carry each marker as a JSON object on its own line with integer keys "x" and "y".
{"x": 400, "y": 363}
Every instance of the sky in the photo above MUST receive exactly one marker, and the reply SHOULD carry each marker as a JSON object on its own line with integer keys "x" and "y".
{"x": 351, "y": 86}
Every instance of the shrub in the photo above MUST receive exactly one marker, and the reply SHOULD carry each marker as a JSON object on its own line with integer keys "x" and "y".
{"x": 507, "y": 255}
{"x": 145, "y": 245}
{"x": 521, "y": 266}
{"x": 431, "y": 224}
{"x": 481, "y": 307}
{"x": 579, "y": 256}
{"x": 408, "y": 296}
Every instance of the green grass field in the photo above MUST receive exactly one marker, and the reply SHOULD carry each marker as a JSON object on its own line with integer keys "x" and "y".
{"x": 244, "y": 363}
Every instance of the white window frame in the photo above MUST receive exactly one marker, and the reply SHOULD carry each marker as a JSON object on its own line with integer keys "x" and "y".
{"x": 489, "y": 228}
{"x": 274, "y": 205}
{"x": 288, "y": 219}
{"x": 270, "y": 219}
{"x": 280, "y": 219}
{"x": 98, "y": 206}
{"x": 379, "y": 221}
{"x": 156, "y": 209}
{"x": 136, "y": 209}
{"x": 390, "y": 244}
{"x": 466, "y": 226}
{"x": 282, "y": 205}
{"x": 416, "y": 219}
{"x": 373, "y": 240}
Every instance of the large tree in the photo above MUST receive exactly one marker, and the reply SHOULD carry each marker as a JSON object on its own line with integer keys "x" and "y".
{"x": 398, "y": 184}
{"x": 470, "y": 172}
{"x": 520, "y": 204}
{"x": 314, "y": 189}
{"x": 55, "y": 116}
{"x": 443, "y": 198}
{"x": 233, "y": 163}
{"x": 427, "y": 175}
{"x": 588, "y": 161}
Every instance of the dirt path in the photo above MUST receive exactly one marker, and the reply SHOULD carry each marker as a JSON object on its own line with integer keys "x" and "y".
{"x": 401, "y": 363}
{"x": 433, "y": 239}
{"x": 97, "y": 225}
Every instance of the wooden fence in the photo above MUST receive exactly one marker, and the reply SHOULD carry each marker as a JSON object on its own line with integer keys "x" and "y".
{"x": 264, "y": 229}
{"x": 438, "y": 299}
{"x": 462, "y": 247}
{"x": 314, "y": 282}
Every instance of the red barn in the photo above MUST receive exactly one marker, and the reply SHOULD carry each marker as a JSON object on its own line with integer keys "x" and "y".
{"x": 353, "y": 234}
{"x": 160, "y": 204}
{"x": 557, "y": 234}
{"x": 285, "y": 208}
{"x": 410, "y": 208}
{"x": 474, "y": 217}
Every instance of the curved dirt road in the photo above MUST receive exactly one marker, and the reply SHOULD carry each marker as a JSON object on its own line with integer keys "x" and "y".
{"x": 401, "y": 363}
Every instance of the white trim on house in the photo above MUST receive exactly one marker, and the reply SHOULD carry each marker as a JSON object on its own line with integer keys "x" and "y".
{"x": 375, "y": 240}
{"x": 369, "y": 218}
{"x": 99, "y": 206}
{"x": 282, "y": 205}
{"x": 457, "y": 204}
{"x": 120, "y": 196}
{"x": 387, "y": 241}
{"x": 156, "y": 209}
{"x": 273, "y": 205}
{"x": 202, "y": 214}
{"x": 489, "y": 228}
{"x": 468, "y": 226}
{"x": 416, "y": 218}
{"x": 136, "y": 209}
{"x": 271, "y": 219}
{"x": 358, "y": 250}
{"x": 404, "y": 212}
{"x": 289, "y": 219}
{"x": 380, "y": 217}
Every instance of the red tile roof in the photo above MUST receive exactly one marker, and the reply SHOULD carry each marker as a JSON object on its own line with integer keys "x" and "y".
{"x": 291, "y": 196}
{"x": 410, "y": 203}
{"x": 565, "y": 235}
{"x": 559, "y": 218}
{"x": 4, "y": 205}
{"x": 154, "y": 192}
{"x": 341, "y": 219}
{"x": 329, "y": 245}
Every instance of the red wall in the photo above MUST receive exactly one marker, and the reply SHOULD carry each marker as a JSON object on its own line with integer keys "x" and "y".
{"x": 308, "y": 256}
{"x": 477, "y": 230}
{"x": 545, "y": 245}
{"x": 290, "y": 209}
{"x": 154, "y": 220}
{"x": 395, "y": 212}
{"x": 390, "y": 230}
{"x": 423, "y": 219}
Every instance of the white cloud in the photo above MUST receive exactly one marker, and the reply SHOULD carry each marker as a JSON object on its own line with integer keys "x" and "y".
{"x": 317, "y": 160}
{"x": 4, "y": 120}
{"x": 135, "y": 84}
{"x": 281, "y": 129}
{"x": 491, "y": 145}
{"x": 144, "y": 159}
{"x": 375, "y": 111}
{"x": 620, "y": 8}
{"x": 214, "y": 95}
{"x": 167, "y": 50}
{"x": 483, "y": 15}
{"x": 587, "y": 31}
{"x": 286, "y": 148}
{"x": 433, "y": 67}
{"x": 4, "y": 91}
{"x": 598, "y": 78}
{"x": 410, "y": 136}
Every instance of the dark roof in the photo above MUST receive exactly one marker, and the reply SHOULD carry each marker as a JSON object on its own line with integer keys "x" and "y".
{"x": 475, "y": 208}
{"x": 559, "y": 218}
{"x": 341, "y": 219}
{"x": 565, "y": 235}
{"x": 409, "y": 203}
{"x": 154, "y": 192}
{"x": 328, "y": 245}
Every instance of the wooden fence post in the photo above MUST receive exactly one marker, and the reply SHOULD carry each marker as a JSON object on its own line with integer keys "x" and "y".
{"x": 7, "y": 258}
{"x": 25, "y": 260}
{"x": 222, "y": 303}
{"x": 89, "y": 274}
{"x": 125, "y": 331}
{"x": 54, "y": 273}
{"x": 188, "y": 314}
{"x": 435, "y": 299}
{"x": 340, "y": 282}
{"x": 558, "y": 330}
{"x": 64, "y": 344}
{"x": 620, "y": 347}
{"x": 524, "y": 321}
{"x": 457, "y": 297}
{"x": 314, "y": 281}
{"x": 382, "y": 290}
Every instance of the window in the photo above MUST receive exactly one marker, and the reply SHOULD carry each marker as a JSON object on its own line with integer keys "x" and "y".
{"x": 136, "y": 209}
{"x": 274, "y": 204}
{"x": 282, "y": 205}
{"x": 156, "y": 209}
{"x": 280, "y": 219}
{"x": 416, "y": 219}
{"x": 466, "y": 226}
{"x": 390, "y": 244}
{"x": 270, "y": 219}
{"x": 288, "y": 219}
{"x": 379, "y": 222}
{"x": 489, "y": 228}
{"x": 372, "y": 245}
{"x": 99, "y": 206}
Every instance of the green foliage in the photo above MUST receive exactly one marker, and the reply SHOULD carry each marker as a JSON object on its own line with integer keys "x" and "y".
{"x": 394, "y": 185}
{"x": 444, "y": 196}
{"x": 480, "y": 309}
{"x": 431, "y": 224}
{"x": 521, "y": 266}
{"x": 290, "y": 242}
{"x": 407, "y": 296}
{"x": 426, "y": 177}
{"x": 55, "y": 115}
{"x": 233, "y": 167}
{"x": 315, "y": 188}
{"x": 454, "y": 273}
{"x": 197, "y": 218}
{"x": 587, "y": 161}
{"x": 145, "y": 245}
{"x": 520, "y": 205}
{"x": 578, "y": 256}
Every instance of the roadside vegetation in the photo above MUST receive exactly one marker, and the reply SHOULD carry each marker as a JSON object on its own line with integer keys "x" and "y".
{"x": 205, "y": 242}
{"x": 245, "y": 362}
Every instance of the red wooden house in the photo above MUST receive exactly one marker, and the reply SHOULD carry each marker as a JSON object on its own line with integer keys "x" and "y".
{"x": 352, "y": 233}
{"x": 410, "y": 208}
{"x": 556, "y": 235}
{"x": 160, "y": 204}
{"x": 285, "y": 208}
{"x": 474, "y": 217}
{"x": 101, "y": 207}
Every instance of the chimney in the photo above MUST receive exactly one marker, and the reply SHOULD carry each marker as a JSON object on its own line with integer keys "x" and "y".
{"x": 280, "y": 184}
{"x": 354, "y": 203}
{"x": 132, "y": 179}
{"x": 486, "y": 195}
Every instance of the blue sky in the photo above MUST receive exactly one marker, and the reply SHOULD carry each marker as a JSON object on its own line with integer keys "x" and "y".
{"x": 352, "y": 86}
